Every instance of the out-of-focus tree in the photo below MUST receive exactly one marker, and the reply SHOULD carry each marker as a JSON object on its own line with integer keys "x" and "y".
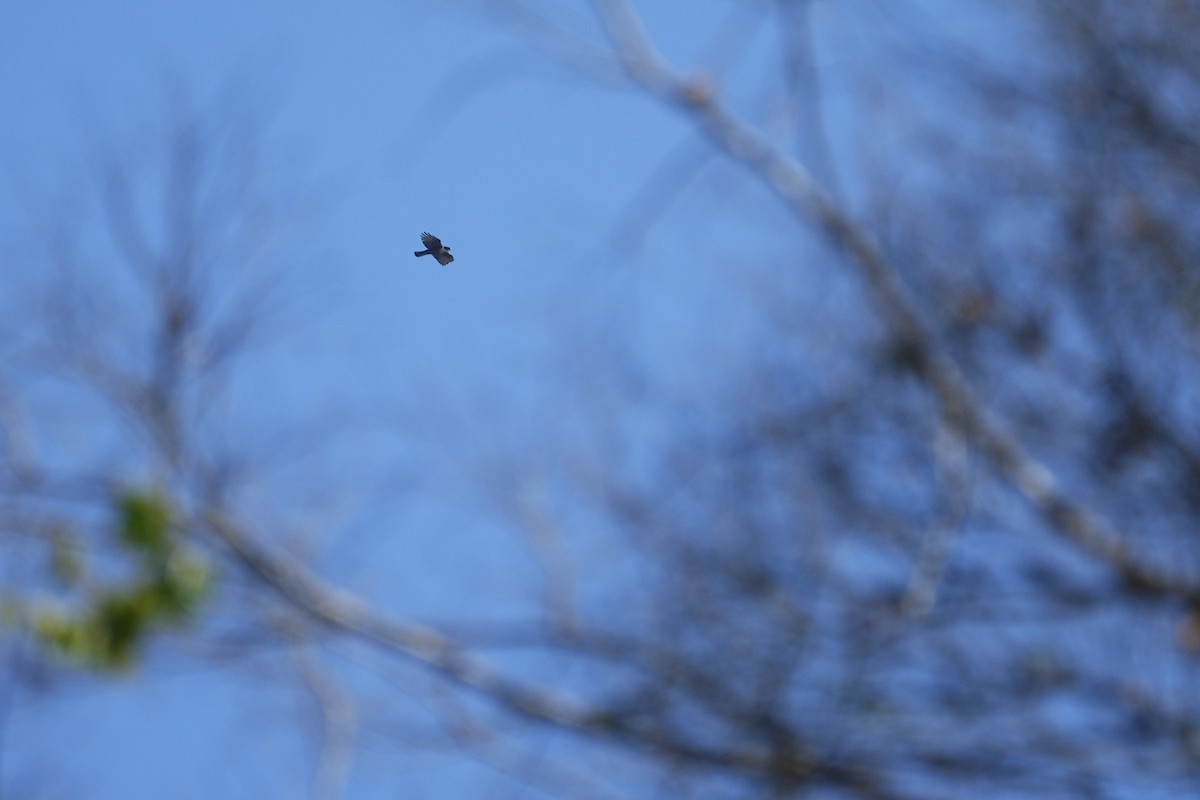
{"x": 957, "y": 556}
{"x": 143, "y": 296}
{"x": 152, "y": 275}
{"x": 936, "y": 540}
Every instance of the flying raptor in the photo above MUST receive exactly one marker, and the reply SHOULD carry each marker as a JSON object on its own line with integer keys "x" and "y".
{"x": 435, "y": 248}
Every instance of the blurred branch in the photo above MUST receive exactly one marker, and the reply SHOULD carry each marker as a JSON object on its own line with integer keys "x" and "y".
{"x": 950, "y": 450}
{"x": 805, "y": 120}
{"x": 345, "y": 613}
{"x": 560, "y": 43}
{"x": 339, "y": 720}
{"x": 654, "y": 197}
{"x": 917, "y": 347}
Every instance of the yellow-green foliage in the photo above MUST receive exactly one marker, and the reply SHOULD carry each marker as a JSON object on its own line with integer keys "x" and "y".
{"x": 167, "y": 587}
{"x": 145, "y": 523}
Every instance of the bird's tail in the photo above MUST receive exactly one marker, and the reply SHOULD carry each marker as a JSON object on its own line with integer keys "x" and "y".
{"x": 420, "y": 252}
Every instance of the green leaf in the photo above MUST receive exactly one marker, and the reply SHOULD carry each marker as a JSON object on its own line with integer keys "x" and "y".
{"x": 119, "y": 626}
{"x": 182, "y": 586}
{"x": 146, "y": 522}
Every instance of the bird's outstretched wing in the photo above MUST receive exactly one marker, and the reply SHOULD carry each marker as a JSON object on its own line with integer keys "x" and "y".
{"x": 431, "y": 241}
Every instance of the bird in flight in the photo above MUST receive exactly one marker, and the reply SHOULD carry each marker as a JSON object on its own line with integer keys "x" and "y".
{"x": 435, "y": 248}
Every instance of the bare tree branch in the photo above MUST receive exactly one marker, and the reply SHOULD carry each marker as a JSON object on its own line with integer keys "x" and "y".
{"x": 346, "y": 614}
{"x": 963, "y": 409}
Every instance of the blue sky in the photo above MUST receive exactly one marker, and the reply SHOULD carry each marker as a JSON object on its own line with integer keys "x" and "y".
{"x": 398, "y": 117}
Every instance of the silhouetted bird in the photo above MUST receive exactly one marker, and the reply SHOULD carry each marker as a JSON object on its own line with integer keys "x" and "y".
{"x": 435, "y": 248}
